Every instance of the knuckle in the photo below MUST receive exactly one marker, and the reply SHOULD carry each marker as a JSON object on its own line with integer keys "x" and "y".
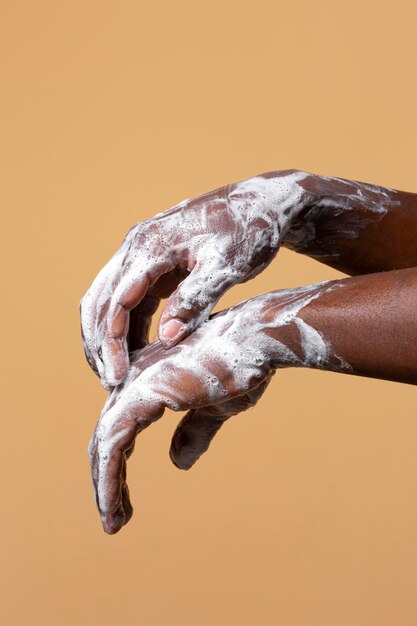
{"x": 132, "y": 233}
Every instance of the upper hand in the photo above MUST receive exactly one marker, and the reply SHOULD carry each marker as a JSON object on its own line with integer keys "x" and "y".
{"x": 192, "y": 253}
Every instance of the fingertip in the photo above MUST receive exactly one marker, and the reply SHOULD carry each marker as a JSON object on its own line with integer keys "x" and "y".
{"x": 110, "y": 382}
{"x": 113, "y": 522}
{"x": 171, "y": 332}
{"x": 106, "y": 385}
{"x": 182, "y": 453}
{"x": 180, "y": 463}
{"x": 115, "y": 372}
{"x": 113, "y": 360}
{"x": 111, "y": 530}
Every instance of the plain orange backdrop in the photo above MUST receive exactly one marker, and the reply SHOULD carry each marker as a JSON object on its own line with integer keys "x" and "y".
{"x": 304, "y": 510}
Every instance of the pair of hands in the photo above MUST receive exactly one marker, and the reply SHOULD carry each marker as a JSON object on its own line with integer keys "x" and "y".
{"x": 212, "y": 367}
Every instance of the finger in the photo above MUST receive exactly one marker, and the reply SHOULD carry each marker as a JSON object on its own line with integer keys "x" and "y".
{"x": 128, "y": 294}
{"x": 88, "y": 308}
{"x": 113, "y": 522}
{"x": 111, "y": 445}
{"x": 192, "y": 302}
{"x": 124, "y": 511}
{"x": 193, "y": 436}
{"x": 198, "y": 427}
{"x": 112, "y": 338}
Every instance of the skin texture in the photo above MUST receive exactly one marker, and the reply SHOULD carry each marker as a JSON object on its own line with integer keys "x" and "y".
{"x": 220, "y": 238}
{"x": 194, "y": 252}
{"x": 216, "y": 240}
{"x": 342, "y": 326}
{"x": 355, "y": 227}
{"x": 227, "y": 358}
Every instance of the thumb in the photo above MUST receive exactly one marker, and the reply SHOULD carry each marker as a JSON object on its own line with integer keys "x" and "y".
{"x": 192, "y": 302}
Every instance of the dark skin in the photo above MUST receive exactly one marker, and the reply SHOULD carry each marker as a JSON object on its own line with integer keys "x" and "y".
{"x": 385, "y": 243}
{"x": 369, "y": 322}
{"x": 382, "y": 243}
{"x": 356, "y": 239}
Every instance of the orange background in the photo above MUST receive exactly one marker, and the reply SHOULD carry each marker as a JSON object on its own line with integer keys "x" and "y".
{"x": 304, "y": 510}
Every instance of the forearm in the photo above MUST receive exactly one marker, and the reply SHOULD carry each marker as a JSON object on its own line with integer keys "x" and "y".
{"x": 365, "y": 325}
{"x": 355, "y": 227}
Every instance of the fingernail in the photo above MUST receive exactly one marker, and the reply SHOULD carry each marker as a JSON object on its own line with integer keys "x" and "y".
{"x": 172, "y": 329}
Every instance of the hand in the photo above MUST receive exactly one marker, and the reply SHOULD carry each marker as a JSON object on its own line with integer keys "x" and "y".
{"x": 193, "y": 376}
{"x": 198, "y": 249}
{"x": 219, "y": 370}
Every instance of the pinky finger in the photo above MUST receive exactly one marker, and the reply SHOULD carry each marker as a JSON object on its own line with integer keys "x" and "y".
{"x": 198, "y": 427}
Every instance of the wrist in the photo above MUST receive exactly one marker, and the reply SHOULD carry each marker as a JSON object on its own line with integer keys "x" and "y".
{"x": 287, "y": 339}
{"x": 290, "y": 194}
{"x": 337, "y": 209}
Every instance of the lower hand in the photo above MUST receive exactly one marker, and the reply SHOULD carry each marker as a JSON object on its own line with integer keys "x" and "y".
{"x": 219, "y": 370}
{"x": 213, "y": 374}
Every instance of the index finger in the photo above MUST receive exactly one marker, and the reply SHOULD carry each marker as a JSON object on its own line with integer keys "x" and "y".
{"x": 113, "y": 439}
